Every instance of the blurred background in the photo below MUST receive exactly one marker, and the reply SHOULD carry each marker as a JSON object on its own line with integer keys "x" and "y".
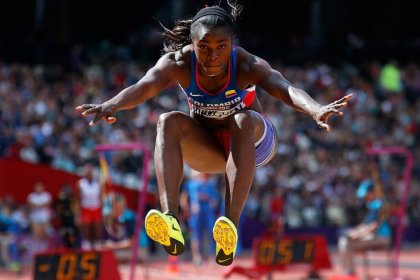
{"x": 55, "y": 55}
{"x": 44, "y": 31}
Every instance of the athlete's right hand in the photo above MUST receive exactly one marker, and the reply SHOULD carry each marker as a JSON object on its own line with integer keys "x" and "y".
{"x": 102, "y": 112}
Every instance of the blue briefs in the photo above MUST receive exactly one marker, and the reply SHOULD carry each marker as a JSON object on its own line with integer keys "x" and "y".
{"x": 266, "y": 146}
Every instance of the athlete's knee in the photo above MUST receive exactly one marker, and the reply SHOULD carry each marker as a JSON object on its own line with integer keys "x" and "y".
{"x": 243, "y": 121}
{"x": 169, "y": 123}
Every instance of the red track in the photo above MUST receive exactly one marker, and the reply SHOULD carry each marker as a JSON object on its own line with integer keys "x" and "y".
{"x": 159, "y": 269}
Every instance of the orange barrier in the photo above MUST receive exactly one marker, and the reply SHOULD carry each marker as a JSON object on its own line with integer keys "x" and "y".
{"x": 302, "y": 252}
{"x": 72, "y": 265}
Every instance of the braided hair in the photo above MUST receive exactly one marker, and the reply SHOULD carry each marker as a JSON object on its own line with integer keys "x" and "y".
{"x": 210, "y": 17}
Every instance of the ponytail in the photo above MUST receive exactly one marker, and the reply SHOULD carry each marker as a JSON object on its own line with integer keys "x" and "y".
{"x": 236, "y": 9}
{"x": 178, "y": 37}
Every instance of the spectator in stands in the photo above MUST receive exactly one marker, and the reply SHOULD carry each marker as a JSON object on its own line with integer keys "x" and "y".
{"x": 40, "y": 216}
{"x": 276, "y": 217}
{"x": 373, "y": 232}
{"x": 390, "y": 77}
{"x": 9, "y": 240}
{"x": 65, "y": 209}
{"x": 120, "y": 223}
{"x": 89, "y": 208}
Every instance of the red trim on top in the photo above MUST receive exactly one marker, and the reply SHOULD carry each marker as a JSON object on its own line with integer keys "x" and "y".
{"x": 205, "y": 91}
{"x": 249, "y": 98}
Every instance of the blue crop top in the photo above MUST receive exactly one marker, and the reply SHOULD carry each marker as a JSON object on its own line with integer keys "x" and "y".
{"x": 227, "y": 101}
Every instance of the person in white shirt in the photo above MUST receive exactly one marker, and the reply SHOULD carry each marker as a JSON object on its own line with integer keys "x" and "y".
{"x": 89, "y": 214}
{"x": 40, "y": 213}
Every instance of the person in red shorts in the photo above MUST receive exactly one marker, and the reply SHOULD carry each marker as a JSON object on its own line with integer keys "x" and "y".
{"x": 89, "y": 194}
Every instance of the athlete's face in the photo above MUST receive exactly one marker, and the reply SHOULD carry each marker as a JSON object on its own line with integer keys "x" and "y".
{"x": 212, "y": 48}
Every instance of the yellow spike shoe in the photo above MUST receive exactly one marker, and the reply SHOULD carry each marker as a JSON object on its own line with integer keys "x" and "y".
{"x": 226, "y": 237}
{"x": 165, "y": 230}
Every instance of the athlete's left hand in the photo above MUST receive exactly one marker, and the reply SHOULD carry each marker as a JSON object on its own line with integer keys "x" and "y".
{"x": 323, "y": 113}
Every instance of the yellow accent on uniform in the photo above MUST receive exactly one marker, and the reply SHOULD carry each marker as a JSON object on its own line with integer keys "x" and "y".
{"x": 230, "y": 93}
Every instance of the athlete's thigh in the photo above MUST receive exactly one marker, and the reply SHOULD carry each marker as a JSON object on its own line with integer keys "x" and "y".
{"x": 200, "y": 148}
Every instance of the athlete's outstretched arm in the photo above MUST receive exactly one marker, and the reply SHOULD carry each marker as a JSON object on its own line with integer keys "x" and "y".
{"x": 156, "y": 79}
{"x": 276, "y": 85}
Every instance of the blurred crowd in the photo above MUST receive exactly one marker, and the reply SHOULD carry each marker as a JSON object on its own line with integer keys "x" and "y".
{"x": 79, "y": 217}
{"x": 310, "y": 183}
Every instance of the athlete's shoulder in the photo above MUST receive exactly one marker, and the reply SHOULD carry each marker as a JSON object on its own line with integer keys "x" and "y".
{"x": 248, "y": 59}
{"x": 175, "y": 65}
{"x": 250, "y": 68}
{"x": 243, "y": 56}
{"x": 177, "y": 58}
